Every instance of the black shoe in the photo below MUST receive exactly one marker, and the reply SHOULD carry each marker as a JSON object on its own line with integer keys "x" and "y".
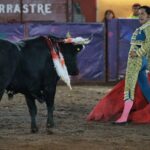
{"x": 120, "y": 123}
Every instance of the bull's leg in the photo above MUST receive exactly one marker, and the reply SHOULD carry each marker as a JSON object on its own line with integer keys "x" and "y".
{"x": 49, "y": 91}
{"x": 1, "y": 94}
{"x": 50, "y": 106}
{"x": 4, "y": 81}
{"x": 50, "y": 120}
{"x": 33, "y": 112}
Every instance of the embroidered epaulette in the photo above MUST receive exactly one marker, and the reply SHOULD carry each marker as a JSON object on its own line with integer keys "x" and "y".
{"x": 145, "y": 25}
{"x": 138, "y": 37}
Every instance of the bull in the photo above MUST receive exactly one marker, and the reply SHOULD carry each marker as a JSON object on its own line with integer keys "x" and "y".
{"x": 27, "y": 67}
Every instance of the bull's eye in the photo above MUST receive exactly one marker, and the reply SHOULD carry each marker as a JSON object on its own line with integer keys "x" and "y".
{"x": 78, "y": 49}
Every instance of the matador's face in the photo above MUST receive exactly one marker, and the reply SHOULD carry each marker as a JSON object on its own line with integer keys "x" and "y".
{"x": 143, "y": 16}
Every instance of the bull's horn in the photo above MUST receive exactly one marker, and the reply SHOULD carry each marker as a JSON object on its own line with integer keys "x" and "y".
{"x": 80, "y": 40}
{"x": 68, "y": 35}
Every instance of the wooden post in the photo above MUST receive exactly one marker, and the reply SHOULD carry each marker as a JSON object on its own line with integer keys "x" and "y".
{"x": 69, "y": 11}
{"x": 21, "y": 13}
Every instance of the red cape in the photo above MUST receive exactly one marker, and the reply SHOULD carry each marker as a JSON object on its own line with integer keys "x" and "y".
{"x": 110, "y": 107}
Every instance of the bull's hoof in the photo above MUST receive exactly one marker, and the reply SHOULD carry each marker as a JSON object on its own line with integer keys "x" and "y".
{"x": 49, "y": 131}
{"x": 50, "y": 125}
{"x": 34, "y": 130}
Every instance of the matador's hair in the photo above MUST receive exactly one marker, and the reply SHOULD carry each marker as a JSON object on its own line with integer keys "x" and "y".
{"x": 147, "y": 9}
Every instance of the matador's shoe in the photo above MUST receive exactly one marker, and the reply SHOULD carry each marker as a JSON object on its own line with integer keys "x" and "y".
{"x": 127, "y": 107}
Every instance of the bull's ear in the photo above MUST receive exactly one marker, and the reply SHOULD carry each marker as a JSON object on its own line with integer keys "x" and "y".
{"x": 68, "y": 35}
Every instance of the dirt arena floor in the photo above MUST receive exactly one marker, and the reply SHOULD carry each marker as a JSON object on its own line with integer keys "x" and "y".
{"x": 71, "y": 131}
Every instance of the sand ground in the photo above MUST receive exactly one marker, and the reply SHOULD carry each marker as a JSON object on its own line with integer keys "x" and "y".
{"x": 72, "y": 131}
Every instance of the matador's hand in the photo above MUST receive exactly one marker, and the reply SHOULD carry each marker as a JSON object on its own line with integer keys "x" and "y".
{"x": 132, "y": 54}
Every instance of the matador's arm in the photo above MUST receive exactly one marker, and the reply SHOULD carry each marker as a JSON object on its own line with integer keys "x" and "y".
{"x": 145, "y": 47}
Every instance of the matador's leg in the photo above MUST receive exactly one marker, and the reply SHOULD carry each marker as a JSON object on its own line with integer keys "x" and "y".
{"x": 132, "y": 72}
{"x": 133, "y": 68}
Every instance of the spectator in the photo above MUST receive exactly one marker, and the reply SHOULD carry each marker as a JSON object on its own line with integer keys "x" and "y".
{"x": 135, "y": 11}
{"x": 108, "y": 15}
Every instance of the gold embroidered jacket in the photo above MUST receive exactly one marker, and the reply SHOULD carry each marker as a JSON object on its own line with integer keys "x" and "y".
{"x": 140, "y": 43}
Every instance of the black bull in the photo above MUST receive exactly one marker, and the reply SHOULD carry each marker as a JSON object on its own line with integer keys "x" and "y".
{"x": 27, "y": 67}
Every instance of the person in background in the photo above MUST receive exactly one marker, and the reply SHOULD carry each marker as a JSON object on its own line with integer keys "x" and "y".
{"x": 135, "y": 11}
{"x": 108, "y": 15}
